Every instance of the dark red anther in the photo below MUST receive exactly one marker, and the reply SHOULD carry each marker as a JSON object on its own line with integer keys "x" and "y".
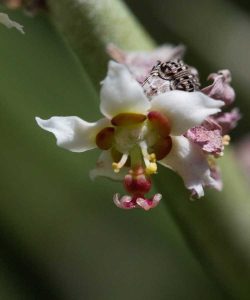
{"x": 162, "y": 147}
{"x": 126, "y": 119}
{"x": 160, "y": 123}
{"x": 104, "y": 139}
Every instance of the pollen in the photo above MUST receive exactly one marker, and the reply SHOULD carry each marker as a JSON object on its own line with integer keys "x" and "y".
{"x": 152, "y": 157}
{"x": 151, "y": 168}
{"x": 226, "y": 140}
{"x": 116, "y": 167}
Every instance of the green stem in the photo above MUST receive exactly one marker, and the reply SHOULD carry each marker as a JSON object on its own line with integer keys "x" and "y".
{"x": 90, "y": 25}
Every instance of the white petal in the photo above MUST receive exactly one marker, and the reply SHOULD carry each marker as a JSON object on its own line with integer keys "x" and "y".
{"x": 121, "y": 93}
{"x": 185, "y": 110}
{"x": 5, "y": 20}
{"x": 188, "y": 160}
{"x": 104, "y": 168}
{"x": 73, "y": 133}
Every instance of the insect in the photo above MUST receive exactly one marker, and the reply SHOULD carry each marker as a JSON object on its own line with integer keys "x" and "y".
{"x": 171, "y": 75}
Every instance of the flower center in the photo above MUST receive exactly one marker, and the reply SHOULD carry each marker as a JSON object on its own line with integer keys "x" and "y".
{"x": 126, "y": 137}
{"x": 137, "y": 141}
{"x": 149, "y": 134}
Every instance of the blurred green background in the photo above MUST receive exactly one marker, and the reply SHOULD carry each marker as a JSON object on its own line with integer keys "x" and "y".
{"x": 61, "y": 235}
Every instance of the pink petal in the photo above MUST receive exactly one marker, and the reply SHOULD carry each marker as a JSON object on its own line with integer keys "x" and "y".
{"x": 215, "y": 173}
{"x": 210, "y": 141}
{"x": 220, "y": 88}
{"x": 147, "y": 204}
{"x": 130, "y": 202}
{"x": 227, "y": 120}
{"x": 125, "y": 202}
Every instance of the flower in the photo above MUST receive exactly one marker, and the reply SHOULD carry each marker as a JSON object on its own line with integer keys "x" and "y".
{"x": 137, "y": 132}
{"x": 172, "y": 74}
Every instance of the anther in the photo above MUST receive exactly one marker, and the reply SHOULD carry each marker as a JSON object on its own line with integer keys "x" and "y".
{"x": 117, "y": 166}
{"x": 151, "y": 168}
{"x": 226, "y": 140}
{"x": 162, "y": 147}
{"x": 104, "y": 139}
{"x": 126, "y": 119}
{"x": 160, "y": 123}
{"x": 152, "y": 157}
{"x": 149, "y": 159}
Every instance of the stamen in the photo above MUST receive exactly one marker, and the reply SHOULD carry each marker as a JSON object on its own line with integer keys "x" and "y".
{"x": 151, "y": 168}
{"x": 120, "y": 164}
{"x": 211, "y": 161}
{"x": 152, "y": 157}
{"x": 226, "y": 140}
{"x": 149, "y": 159}
{"x": 116, "y": 156}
